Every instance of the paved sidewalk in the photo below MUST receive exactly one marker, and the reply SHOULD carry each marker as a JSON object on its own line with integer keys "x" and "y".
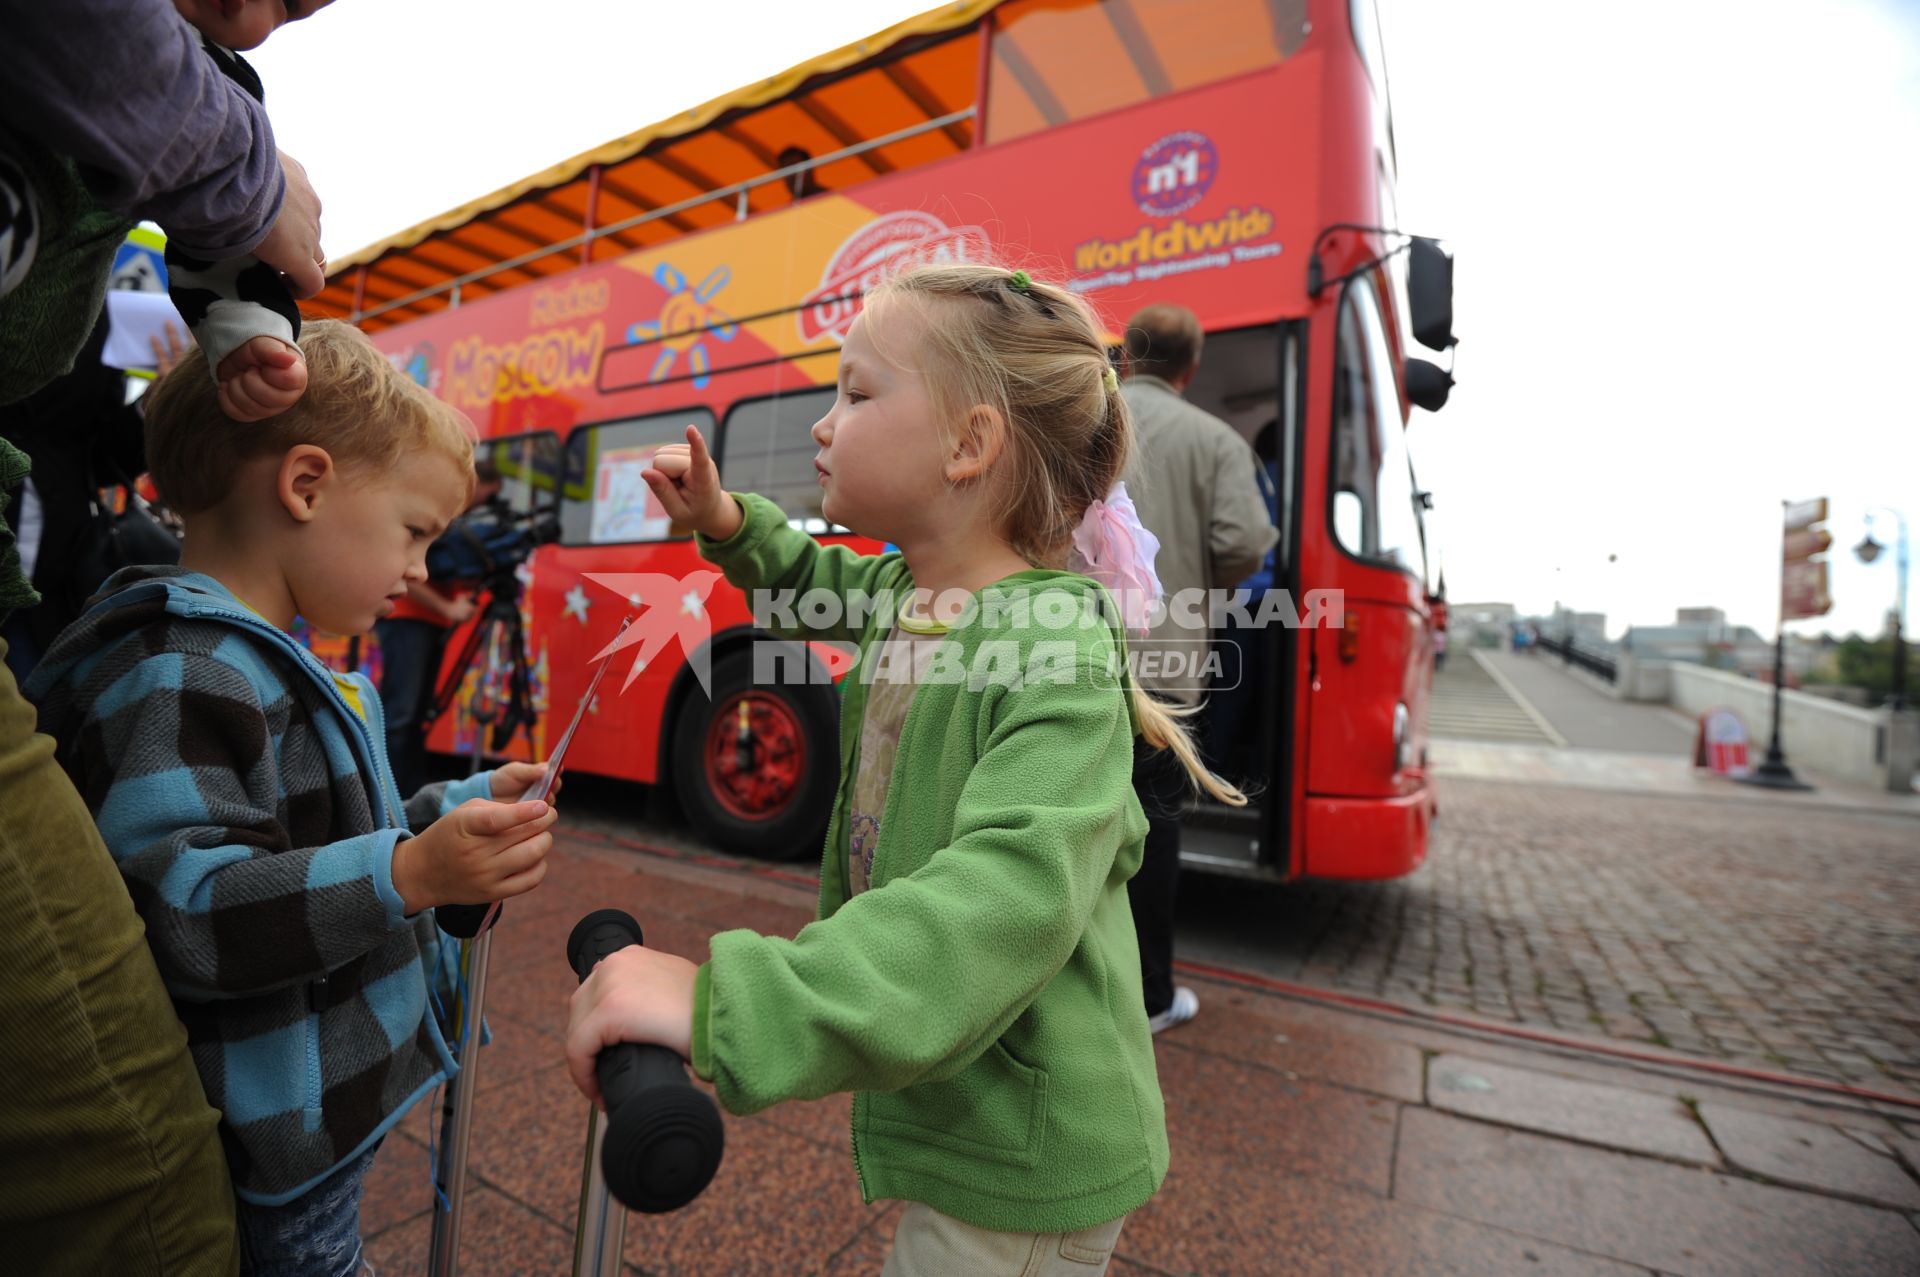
{"x": 1651, "y": 775}
{"x": 1307, "y": 1139}
{"x": 1778, "y": 935}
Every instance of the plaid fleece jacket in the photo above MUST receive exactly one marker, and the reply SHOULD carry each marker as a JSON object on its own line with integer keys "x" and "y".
{"x": 254, "y": 817}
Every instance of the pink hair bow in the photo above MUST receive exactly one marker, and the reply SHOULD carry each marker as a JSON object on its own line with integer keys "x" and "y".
{"x": 1113, "y": 547}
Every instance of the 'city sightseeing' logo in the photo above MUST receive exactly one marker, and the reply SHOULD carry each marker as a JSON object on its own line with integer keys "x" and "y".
{"x": 883, "y": 247}
{"x": 1175, "y": 173}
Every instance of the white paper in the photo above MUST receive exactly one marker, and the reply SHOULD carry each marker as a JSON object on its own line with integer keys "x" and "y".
{"x": 133, "y": 320}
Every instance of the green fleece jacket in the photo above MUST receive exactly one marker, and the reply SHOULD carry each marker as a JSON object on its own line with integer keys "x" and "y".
{"x": 982, "y": 998}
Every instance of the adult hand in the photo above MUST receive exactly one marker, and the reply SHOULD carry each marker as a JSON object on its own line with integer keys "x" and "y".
{"x": 458, "y": 611}
{"x": 292, "y": 247}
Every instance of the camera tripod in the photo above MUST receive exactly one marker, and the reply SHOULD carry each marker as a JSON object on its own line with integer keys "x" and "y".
{"x": 501, "y": 634}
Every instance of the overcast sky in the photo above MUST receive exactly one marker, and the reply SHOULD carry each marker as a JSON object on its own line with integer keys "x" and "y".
{"x": 1686, "y": 271}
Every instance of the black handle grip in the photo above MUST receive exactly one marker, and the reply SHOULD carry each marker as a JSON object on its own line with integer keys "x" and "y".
{"x": 664, "y": 1137}
{"x": 462, "y": 922}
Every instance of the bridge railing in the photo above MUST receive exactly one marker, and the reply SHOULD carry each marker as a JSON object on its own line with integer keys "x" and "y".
{"x": 1587, "y": 658}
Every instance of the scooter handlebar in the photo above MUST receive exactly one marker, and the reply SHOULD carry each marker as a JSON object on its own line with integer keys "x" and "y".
{"x": 664, "y": 1137}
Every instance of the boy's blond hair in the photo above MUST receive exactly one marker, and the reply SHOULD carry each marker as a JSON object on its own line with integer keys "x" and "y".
{"x": 357, "y": 406}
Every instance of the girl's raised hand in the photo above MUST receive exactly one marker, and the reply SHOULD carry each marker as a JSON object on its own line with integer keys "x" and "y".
{"x": 687, "y": 484}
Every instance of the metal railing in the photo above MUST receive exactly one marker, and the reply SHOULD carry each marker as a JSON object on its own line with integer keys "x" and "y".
{"x": 1570, "y": 651}
{"x": 737, "y": 191}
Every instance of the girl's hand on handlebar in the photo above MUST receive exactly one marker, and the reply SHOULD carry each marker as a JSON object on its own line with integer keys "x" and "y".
{"x": 687, "y": 484}
{"x": 635, "y": 995}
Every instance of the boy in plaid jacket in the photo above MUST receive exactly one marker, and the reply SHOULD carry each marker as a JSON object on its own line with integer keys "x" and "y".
{"x": 244, "y": 791}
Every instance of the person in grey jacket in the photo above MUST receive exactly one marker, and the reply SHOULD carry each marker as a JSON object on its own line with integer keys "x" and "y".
{"x": 1193, "y": 484}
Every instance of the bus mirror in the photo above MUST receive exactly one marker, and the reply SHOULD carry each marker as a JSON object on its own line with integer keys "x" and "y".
{"x": 1430, "y": 293}
{"x": 1428, "y": 385}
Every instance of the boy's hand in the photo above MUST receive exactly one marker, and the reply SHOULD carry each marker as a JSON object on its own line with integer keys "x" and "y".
{"x": 263, "y": 377}
{"x": 687, "y": 483}
{"x": 634, "y": 995}
{"x": 512, "y": 780}
{"x": 478, "y": 851}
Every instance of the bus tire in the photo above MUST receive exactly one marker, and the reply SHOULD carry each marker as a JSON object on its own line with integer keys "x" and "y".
{"x": 777, "y": 807}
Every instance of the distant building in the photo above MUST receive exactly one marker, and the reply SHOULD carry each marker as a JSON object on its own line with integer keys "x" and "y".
{"x": 1703, "y": 636}
{"x": 1480, "y": 624}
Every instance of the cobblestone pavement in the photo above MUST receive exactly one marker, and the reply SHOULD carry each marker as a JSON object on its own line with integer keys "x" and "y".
{"x": 1766, "y": 934}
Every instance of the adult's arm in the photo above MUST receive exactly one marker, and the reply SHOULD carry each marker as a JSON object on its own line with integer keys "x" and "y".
{"x": 124, "y": 88}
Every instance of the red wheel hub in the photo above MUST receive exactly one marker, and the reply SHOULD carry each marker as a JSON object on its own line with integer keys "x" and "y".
{"x": 755, "y": 755}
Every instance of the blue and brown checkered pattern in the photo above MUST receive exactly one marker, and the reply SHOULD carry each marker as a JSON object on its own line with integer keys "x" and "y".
{"x": 253, "y": 816}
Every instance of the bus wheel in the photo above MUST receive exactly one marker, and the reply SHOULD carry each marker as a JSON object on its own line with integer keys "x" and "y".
{"x": 756, "y": 767}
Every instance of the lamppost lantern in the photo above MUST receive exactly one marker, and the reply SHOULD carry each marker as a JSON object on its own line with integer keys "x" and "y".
{"x": 1867, "y": 551}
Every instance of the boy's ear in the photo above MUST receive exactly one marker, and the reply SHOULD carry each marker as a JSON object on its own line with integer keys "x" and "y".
{"x": 306, "y": 474}
{"x": 978, "y": 446}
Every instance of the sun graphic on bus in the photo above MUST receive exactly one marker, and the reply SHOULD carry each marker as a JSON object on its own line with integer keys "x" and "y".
{"x": 686, "y": 322}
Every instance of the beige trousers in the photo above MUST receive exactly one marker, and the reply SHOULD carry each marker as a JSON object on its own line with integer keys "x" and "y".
{"x": 929, "y": 1244}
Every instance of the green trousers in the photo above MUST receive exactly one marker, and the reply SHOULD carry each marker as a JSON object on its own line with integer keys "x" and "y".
{"x": 110, "y": 1161}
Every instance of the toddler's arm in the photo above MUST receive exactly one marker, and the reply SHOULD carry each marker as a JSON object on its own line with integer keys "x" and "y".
{"x": 749, "y": 539}
{"x": 243, "y": 316}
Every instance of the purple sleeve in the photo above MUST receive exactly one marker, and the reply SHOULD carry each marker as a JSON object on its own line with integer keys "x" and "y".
{"x": 123, "y": 87}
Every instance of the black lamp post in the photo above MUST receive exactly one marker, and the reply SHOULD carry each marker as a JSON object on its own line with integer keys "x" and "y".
{"x": 1867, "y": 551}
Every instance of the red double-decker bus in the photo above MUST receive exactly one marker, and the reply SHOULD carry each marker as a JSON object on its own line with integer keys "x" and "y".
{"x": 1233, "y": 156}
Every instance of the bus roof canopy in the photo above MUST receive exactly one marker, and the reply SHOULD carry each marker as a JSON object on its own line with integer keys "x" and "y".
{"x": 904, "y": 97}
{"x": 917, "y": 78}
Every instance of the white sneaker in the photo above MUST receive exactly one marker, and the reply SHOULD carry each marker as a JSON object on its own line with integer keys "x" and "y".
{"x": 1185, "y": 1005}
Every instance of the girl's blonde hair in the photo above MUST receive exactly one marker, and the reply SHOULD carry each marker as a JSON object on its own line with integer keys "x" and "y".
{"x": 1034, "y": 354}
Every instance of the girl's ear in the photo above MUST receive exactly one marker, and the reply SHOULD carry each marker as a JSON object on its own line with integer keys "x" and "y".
{"x": 305, "y": 475}
{"x": 978, "y": 446}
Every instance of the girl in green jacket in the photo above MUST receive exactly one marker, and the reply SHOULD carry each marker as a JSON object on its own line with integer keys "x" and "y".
{"x": 973, "y": 975}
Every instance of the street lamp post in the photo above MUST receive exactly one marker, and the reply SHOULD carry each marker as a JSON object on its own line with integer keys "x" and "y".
{"x": 1867, "y": 551}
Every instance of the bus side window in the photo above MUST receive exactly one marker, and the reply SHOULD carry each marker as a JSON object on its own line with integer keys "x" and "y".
{"x": 768, "y": 448}
{"x": 604, "y": 499}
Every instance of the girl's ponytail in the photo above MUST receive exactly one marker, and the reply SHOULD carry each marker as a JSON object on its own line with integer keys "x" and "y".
{"x": 1160, "y": 727}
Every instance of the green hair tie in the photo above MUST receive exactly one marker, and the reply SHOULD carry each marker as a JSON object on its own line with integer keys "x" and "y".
{"x": 1020, "y": 281}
